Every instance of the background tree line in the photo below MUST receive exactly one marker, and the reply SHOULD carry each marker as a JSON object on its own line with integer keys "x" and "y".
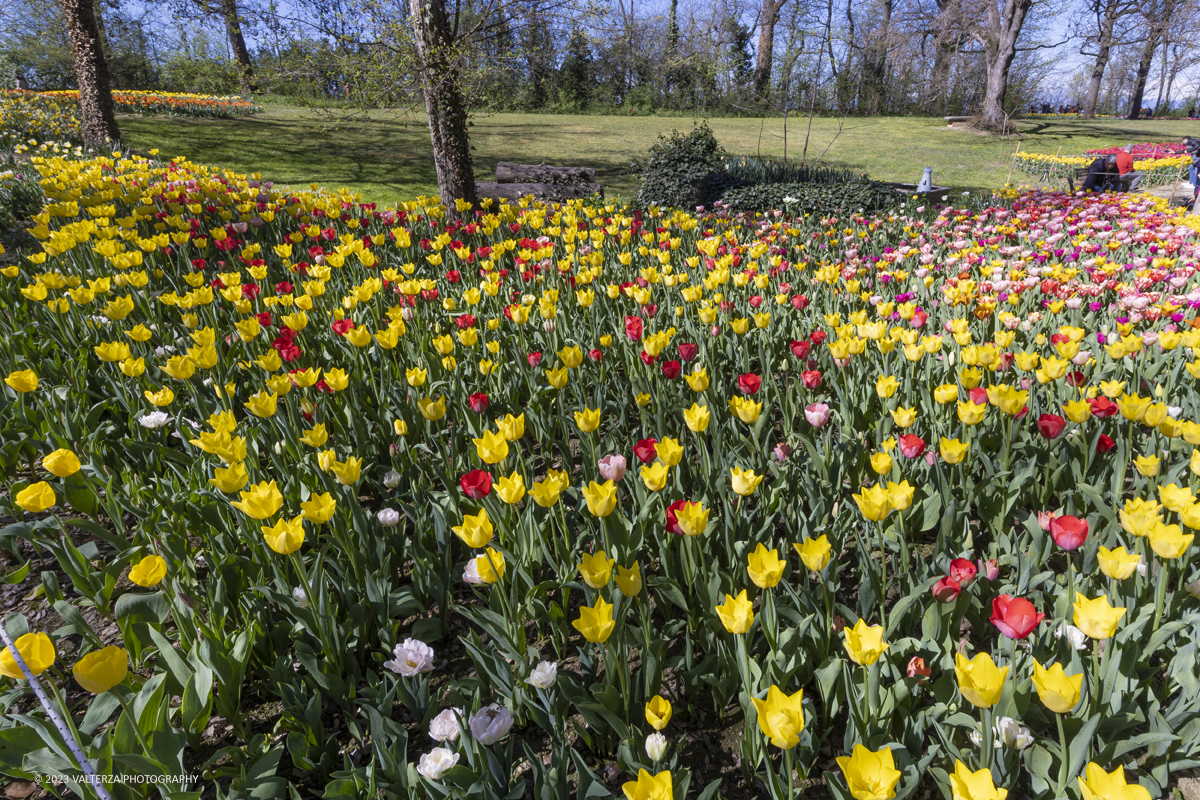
{"x": 939, "y": 57}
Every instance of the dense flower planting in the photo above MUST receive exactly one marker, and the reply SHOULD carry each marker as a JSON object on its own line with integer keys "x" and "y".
{"x": 1159, "y": 167}
{"x": 503, "y": 500}
{"x": 1145, "y": 151}
{"x": 54, "y": 115}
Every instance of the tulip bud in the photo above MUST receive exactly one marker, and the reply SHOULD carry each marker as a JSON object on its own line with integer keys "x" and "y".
{"x": 917, "y": 668}
{"x": 656, "y": 746}
{"x": 388, "y": 517}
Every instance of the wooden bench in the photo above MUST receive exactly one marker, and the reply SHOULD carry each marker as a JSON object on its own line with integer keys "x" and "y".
{"x": 541, "y": 181}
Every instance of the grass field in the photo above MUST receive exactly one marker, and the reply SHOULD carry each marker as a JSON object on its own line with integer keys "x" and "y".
{"x": 388, "y": 157}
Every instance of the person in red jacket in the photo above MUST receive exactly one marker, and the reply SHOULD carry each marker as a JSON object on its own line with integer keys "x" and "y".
{"x": 1130, "y": 178}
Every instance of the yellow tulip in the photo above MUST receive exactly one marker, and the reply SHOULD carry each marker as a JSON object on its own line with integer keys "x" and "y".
{"x": 36, "y": 497}
{"x": 315, "y": 436}
{"x": 22, "y": 380}
{"x": 492, "y": 448}
{"x": 347, "y": 472}
{"x": 946, "y": 393}
{"x": 148, "y": 572}
{"x": 745, "y": 409}
{"x": 971, "y": 414}
{"x": 1148, "y": 465}
{"x": 692, "y": 518}
{"x": 431, "y": 409}
{"x": 629, "y": 581}
{"x": 649, "y": 787}
{"x": 511, "y": 428}
{"x": 669, "y": 451}
{"x": 697, "y": 418}
{"x": 658, "y": 712}
{"x": 870, "y": 775}
{"x": 697, "y": 379}
{"x": 1096, "y": 617}
{"x": 62, "y": 463}
{"x": 1133, "y": 407}
{"x": 596, "y": 569}
{"x": 1117, "y": 564}
{"x": 101, "y": 670}
{"x": 904, "y": 417}
{"x": 490, "y": 565}
{"x": 765, "y": 567}
{"x": 815, "y": 553}
{"x": 511, "y": 489}
{"x": 319, "y": 508}
{"x": 163, "y": 397}
{"x": 587, "y": 420}
{"x": 885, "y": 386}
{"x": 595, "y": 623}
{"x": 601, "y": 498}
{"x": 545, "y": 493}
{"x": 736, "y": 613}
{"x": 744, "y": 482}
{"x": 979, "y": 679}
{"x": 262, "y": 404}
{"x": 1169, "y": 541}
{"x": 873, "y": 501}
{"x": 475, "y": 530}
{"x": 864, "y": 643}
{"x": 285, "y": 536}
{"x": 881, "y": 463}
{"x": 655, "y": 476}
{"x": 36, "y": 650}
{"x": 967, "y": 785}
{"x": 1139, "y": 517}
{"x": 781, "y": 717}
{"x": 953, "y": 451}
{"x": 900, "y": 495}
{"x": 1057, "y": 691}
{"x": 1101, "y": 785}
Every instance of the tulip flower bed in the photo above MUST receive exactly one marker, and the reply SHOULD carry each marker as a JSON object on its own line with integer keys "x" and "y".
{"x": 1145, "y": 151}
{"x": 1159, "y": 167}
{"x": 550, "y": 502}
{"x": 26, "y": 115}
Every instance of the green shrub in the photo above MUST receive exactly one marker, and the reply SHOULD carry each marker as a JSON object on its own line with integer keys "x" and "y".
{"x": 813, "y": 198}
{"x": 748, "y": 171}
{"x": 684, "y": 170}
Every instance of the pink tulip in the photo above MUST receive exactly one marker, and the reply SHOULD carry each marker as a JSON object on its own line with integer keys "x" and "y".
{"x": 817, "y": 414}
{"x": 612, "y": 467}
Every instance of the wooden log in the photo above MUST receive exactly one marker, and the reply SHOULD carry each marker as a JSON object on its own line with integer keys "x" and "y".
{"x": 540, "y": 191}
{"x": 511, "y": 172}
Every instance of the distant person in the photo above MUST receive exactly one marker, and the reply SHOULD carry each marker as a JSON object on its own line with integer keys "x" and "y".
{"x": 1102, "y": 175}
{"x": 1130, "y": 178}
{"x": 1191, "y": 146}
{"x": 19, "y": 81}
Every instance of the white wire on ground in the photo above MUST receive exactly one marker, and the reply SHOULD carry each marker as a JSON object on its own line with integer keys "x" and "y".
{"x": 93, "y": 779}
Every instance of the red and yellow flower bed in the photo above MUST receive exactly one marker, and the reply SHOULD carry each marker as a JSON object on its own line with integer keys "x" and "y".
{"x": 530, "y": 498}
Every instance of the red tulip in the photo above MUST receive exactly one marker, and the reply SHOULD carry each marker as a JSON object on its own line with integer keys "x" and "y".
{"x": 465, "y": 321}
{"x": 1068, "y": 532}
{"x": 1102, "y": 407}
{"x": 799, "y": 302}
{"x": 595, "y": 355}
{"x": 342, "y": 326}
{"x": 672, "y": 521}
{"x": 534, "y": 358}
{"x": 688, "y": 351}
{"x": 646, "y": 450}
{"x": 479, "y": 402}
{"x": 946, "y": 590}
{"x": 818, "y": 337}
{"x": 749, "y": 383}
{"x": 989, "y": 568}
{"x": 962, "y": 571}
{"x": 476, "y": 484}
{"x": 911, "y": 445}
{"x": 1015, "y": 617}
{"x": 1105, "y": 443}
{"x": 917, "y": 668}
{"x": 801, "y": 349}
{"x": 1051, "y": 426}
{"x": 978, "y": 396}
{"x": 633, "y": 328}
{"x": 812, "y": 378}
{"x": 647, "y": 359}
{"x": 671, "y": 370}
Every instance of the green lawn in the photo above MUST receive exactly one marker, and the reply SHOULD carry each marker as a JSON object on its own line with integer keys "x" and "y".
{"x": 388, "y": 158}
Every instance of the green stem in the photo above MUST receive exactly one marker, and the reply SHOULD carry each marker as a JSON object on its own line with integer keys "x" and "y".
{"x": 1062, "y": 766}
{"x": 1160, "y": 593}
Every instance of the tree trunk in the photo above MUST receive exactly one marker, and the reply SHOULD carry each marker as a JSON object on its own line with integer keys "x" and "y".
{"x": 444, "y": 104}
{"x": 98, "y": 123}
{"x": 1104, "y": 50}
{"x": 1143, "y": 72}
{"x": 237, "y": 43}
{"x": 999, "y": 41}
{"x": 766, "y": 47}
{"x": 875, "y": 62}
